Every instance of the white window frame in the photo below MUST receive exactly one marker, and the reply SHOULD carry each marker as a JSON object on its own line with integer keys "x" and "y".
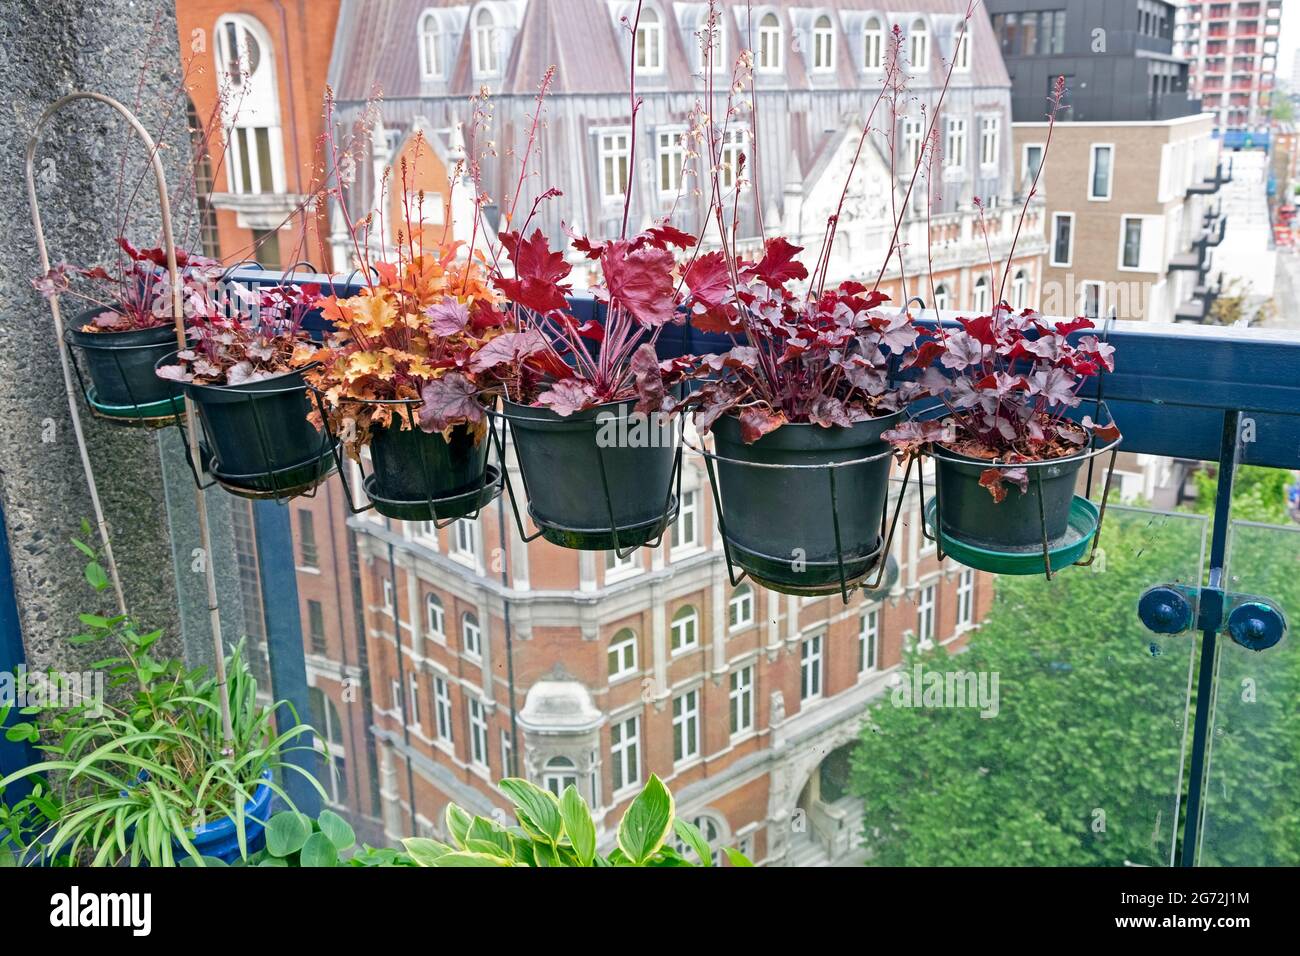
{"x": 740, "y": 700}
{"x": 471, "y": 636}
{"x": 918, "y": 46}
{"x": 478, "y": 733}
{"x": 954, "y": 144}
{"x": 682, "y": 617}
{"x": 395, "y": 695}
{"x": 619, "y": 567}
{"x": 942, "y": 296}
{"x": 1084, "y": 286}
{"x": 648, "y": 59}
{"x": 769, "y": 44}
{"x": 823, "y": 41}
{"x": 734, "y": 142}
{"x": 812, "y": 674}
{"x": 431, "y": 52}
{"x": 254, "y": 107}
{"x": 442, "y": 709}
{"x": 1051, "y": 243}
{"x": 413, "y": 693}
{"x": 618, "y": 647}
{"x": 926, "y": 603}
{"x": 869, "y": 641}
{"x": 740, "y": 608}
{"x": 389, "y": 596}
{"x": 719, "y": 40}
{"x": 688, "y": 512}
{"x": 1092, "y": 172}
{"x": 556, "y": 776}
{"x": 981, "y": 304}
{"x": 1123, "y": 241}
{"x": 873, "y": 45}
{"x": 507, "y": 751}
{"x": 1026, "y": 180}
{"x": 961, "y": 54}
{"x": 485, "y": 36}
{"x": 965, "y": 600}
{"x": 614, "y": 152}
{"x": 1020, "y": 289}
{"x": 990, "y": 140}
{"x": 913, "y": 144}
{"x": 671, "y": 149}
{"x": 625, "y": 754}
{"x": 435, "y": 616}
{"x": 465, "y": 542}
{"x": 686, "y": 727}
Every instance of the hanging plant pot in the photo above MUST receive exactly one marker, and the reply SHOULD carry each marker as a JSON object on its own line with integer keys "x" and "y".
{"x": 257, "y": 435}
{"x": 118, "y": 370}
{"x": 596, "y": 480}
{"x": 220, "y": 838}
{"x": 1043, "y": 526}
{"x": 422, "y": 476}
{"x": 780, "y": 515}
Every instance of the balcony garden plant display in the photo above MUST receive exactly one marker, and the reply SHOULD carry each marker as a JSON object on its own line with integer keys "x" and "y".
{"x": 583, "y": 399}
{"x": 1009, "y": 440}
{"x": 555, "y": 831}
{"x": 128, "y": 326}
{"x": 147, "y": 774}
{"x": 244, "y": 371}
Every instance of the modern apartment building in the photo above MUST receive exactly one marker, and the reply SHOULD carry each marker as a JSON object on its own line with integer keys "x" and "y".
{"x": 817, "y": 69}
{"x": 1134, "y": 166}
{"x": 1232, "y": 48}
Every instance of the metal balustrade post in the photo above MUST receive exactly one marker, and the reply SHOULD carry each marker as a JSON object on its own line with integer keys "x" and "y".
{"x": 277, "y": 575}
{"x": 1210, "y": 622}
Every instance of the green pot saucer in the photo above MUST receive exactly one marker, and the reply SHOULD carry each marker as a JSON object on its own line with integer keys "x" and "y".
{"x": 1062, "y": 552}
{"x": 158, "y": 414}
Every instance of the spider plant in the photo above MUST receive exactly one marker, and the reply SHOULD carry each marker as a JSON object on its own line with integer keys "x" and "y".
{"x": 133, "y": 776}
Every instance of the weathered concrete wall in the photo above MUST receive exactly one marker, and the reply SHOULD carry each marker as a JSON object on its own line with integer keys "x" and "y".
{"x": 129, "y": 51}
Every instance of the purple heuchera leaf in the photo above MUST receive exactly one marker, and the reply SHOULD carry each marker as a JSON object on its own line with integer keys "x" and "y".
{"x": 1054, "y": 384}
{"x": 651, "y": 395}
{"x": 447, "y": 317}
{"x": 449, "y": 400}
{"x": 507, "y": 349}
{"x": 567, "y": 396}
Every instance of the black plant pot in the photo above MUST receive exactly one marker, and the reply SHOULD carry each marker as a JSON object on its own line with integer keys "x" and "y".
{"x": 780, "y": 521}
{"x": 969, "y": 514}
{"x": 260, "y": 441}
{"x": 120, "y": 365}
{"x": 561, "y": 460}
{"x": 420, "y": 476}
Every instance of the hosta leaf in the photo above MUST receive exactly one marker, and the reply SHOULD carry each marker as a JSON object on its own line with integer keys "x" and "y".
{"x": 578, "y": 824}
{"x": 458, "y": 824}
{"x": 339, "y": 832}
{"x": 319, "y": 851}
{"x": 690, "y": 835}
{"x": 286, "y": 832}
{"x": 647, "y": 822}
{"x": 538, "y": 810}
{"x": 426, "y": 852}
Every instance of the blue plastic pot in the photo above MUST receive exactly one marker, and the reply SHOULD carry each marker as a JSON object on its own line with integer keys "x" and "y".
{"x": 220, "y": 839}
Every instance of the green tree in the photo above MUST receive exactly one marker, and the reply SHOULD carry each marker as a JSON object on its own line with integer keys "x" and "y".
{"x": 1258, "y": 494}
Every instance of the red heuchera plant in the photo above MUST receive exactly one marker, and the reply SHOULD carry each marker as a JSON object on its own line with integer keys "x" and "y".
{"x": 235, "y": 350}
{"x": 809, "y": 355}
{"x": 135, "y": 291}
{"x": 1008, "y": 379}
{"x": 552, "y": 360}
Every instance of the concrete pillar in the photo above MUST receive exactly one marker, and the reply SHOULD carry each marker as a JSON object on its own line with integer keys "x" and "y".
{"x": 111, "y": 48}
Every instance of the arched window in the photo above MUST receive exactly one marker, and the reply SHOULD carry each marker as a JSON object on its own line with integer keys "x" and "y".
{"x": 559, "y": 772}
{"x": 918, "y": 51}
{"x": 649, "y": 42}
{"x": 740, "y": 609}
{"x": 252, "y": 113}
{"x": 434, "y": 616}
{"x": 487, "y": 58}
{"x": 325, "y": 718}
{"x": 942, "y": 298}
{"x": 430, "y": 47}
{"x": 718, "y": 39}
{"x": 980, "y": 296}
{"x": 622, "y": 654}
{"x": 713, "y": 829}
{"x": 1020, "y": 290}
{"x": 471, "y": 635}
{"x": 823, "y": 36}
{"x": 768, "y": 53}
{"x": 873, "y": 46}
{"x": 685, "y": 632}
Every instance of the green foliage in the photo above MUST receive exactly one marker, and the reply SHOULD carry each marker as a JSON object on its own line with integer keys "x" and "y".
{"x": 1258, "y": 494}
{"x": 1081, "y": 765}
{"x": 129, "y": 777}
{"x": 559, "y": 831}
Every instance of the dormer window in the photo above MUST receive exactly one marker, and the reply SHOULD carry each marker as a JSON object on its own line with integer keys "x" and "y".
{"x": 649, "y": 42}
{"x": 718, "y": 54}
{"x": 873, "y": 45}
{"x": 430, "y": 47}
{"x": 487, "y": 57}
{"x": 961, "y": 58}
{"x": 823, "y": 37}
{"x": 918, "y": 50}
{"x": 768, "y": 53}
